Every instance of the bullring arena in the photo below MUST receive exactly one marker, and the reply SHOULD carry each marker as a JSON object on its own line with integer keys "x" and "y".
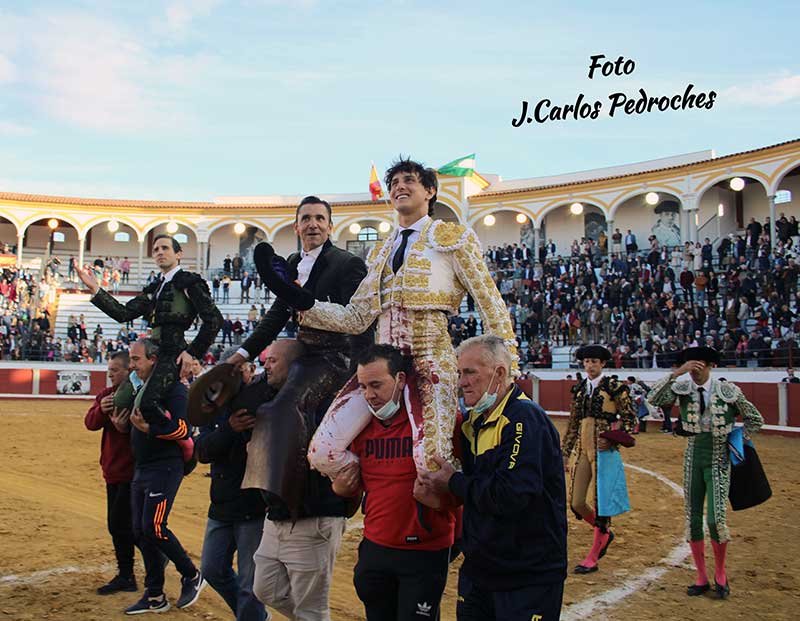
{"x": 54, "y": 548}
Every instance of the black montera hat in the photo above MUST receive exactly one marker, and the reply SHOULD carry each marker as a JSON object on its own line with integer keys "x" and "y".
{"x": 593, "y": 351}
{"x": 704, "y": 354}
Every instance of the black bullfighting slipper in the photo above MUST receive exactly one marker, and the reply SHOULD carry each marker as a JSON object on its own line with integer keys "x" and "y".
{"x": 697, "y": 589}
{"x": 582, "y": 569}
{"x": 275, "y": 274}
{"x": 722, "y": 591}
{"x": 608, "y": 543}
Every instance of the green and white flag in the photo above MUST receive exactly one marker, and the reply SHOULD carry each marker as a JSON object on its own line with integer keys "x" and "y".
{"x": 462, "y": 167}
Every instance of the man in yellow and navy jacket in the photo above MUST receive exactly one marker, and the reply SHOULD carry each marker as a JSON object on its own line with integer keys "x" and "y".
{"x": 512, "y": 486}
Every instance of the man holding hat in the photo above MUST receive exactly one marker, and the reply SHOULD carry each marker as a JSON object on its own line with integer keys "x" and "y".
{"x": 708, "y": 409}
{"x": 601, "y": 418}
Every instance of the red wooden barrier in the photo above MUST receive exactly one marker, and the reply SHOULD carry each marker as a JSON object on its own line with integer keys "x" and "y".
{"x": 16, "y": 381}
{"x": 793, "y": 397}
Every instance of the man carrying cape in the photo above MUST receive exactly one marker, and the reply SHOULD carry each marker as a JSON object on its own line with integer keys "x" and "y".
{"x": 708, "y": 409}
{"x": 601, "y": 417}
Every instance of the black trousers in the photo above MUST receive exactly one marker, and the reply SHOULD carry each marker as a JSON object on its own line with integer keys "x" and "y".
{"x": 538, "y": 602}
{"x": 120, "y": 526}
{"x": 399, "y": 585}
{"x": 153, "y": 492}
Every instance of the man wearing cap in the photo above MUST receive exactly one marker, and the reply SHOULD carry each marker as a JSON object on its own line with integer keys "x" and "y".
{"x": 601, "y": 416}
{"x": 708, "y": 410}
{"x": 116, "y": 459}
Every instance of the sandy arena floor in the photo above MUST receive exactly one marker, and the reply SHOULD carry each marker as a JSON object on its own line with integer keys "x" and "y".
{"x": 54, "y": 548}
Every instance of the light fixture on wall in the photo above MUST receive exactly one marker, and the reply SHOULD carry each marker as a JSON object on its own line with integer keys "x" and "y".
{"x": 576, "y": 209}
{"x": 522, "y": 218}
{"x": 113, "y": 226}
{"x": 384, "y": 227}
{"x": 737, "y": 184}
{"x": 489, "y": 220}
{"x": 651, "y": 198}
{"x": 355, "y": 228}
{"x": 52, "y": 223}
{"x": 172, "y": 227}
{"x": 696, "y": 218}
{"x": 720, "y": 210}
{"x": 238, "y": 228}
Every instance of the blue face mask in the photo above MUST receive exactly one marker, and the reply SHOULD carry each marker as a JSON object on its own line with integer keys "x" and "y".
{"x": 388, "y": 409}
{"x": 137, "y": 383}
{"x": 487, "y": 400}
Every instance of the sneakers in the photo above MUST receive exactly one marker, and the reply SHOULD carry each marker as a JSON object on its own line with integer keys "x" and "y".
{"x": 117, "y": 584}
{"x": 190, "y": 590}
{"x": 149, "y": 604}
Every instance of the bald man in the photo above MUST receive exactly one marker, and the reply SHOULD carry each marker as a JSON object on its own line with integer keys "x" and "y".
{"x": 294, "y": 561}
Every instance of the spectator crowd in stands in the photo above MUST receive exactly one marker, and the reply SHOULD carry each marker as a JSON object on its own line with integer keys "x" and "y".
{"x": 644, "y": 304}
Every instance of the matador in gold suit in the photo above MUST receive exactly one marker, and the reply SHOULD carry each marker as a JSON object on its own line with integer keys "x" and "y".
{"x": 411, "y": 307}
{"x": 601, "y": 415}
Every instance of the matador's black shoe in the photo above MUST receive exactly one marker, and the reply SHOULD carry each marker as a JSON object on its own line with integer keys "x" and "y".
{"x": 582, "y": 569}
{"x": 697, "y": 589}
{"x": 722, "y": 591}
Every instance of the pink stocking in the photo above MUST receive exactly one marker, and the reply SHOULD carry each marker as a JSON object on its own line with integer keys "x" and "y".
{"x": 589, "y": 518}
{"x": 600, "y": 540}
{"x": 719, "y": 562}
{"x": 699, "y": 555}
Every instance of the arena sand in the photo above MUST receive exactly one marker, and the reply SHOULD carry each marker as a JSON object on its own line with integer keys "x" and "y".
{"x": 54, "y": 548}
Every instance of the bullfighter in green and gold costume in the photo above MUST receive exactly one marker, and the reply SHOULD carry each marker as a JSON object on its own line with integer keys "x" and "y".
{"x": 601, "y": 415}
{"x": 170, "y": 305}
{"x": 708, "y": 409}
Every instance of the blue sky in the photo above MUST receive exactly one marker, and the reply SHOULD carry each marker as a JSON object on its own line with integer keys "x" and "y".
{"x": 192, "y": 99}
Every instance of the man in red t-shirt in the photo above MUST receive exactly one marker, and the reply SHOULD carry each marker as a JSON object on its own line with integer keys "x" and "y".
{"x": 403, "y": 558}
{"x": 116, "y": 460}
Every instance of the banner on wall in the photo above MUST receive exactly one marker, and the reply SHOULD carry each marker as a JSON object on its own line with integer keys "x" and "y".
{"x": 73, "y": 382}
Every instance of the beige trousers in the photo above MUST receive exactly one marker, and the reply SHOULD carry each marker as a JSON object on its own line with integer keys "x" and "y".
{"x": 294, "y": 566}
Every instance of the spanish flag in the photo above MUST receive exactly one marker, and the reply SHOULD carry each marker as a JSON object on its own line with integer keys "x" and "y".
{"x": 375, "y": 188}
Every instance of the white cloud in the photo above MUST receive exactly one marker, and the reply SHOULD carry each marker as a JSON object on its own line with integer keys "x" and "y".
{"x": 777, "y": 91}
{"x": 8, "y": 71}
{"x": 92, "y": 73}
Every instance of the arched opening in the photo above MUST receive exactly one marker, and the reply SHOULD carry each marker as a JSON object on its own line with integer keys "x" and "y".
{"x": 116, "y": 244}
{"x": 444, "y": 212}
{"x": 360, "y": 237}
{"x": 185, "y": 236}
{"x": 504, "y": 227}
{"x": 568, "y": 224}
{"x": 8, "y": 237}
{"x": 224, "y": 242}
{"x": 726, "y": 208}
{"x": 787, "y": 206}
{"x": 645, "y": 214}
{"x": 285, "y": 241}
{"x": 61, "y": 241}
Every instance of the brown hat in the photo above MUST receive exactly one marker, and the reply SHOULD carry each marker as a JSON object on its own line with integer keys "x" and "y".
{"x": 209, "y": 392}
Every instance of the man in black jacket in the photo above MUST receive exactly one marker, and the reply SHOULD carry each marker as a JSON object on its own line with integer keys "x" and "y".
{"x": 159, "y": 469}
{"x": 331, "y": 273}
{"x": 294, "y": 561}
{"x": 236, "y": 516}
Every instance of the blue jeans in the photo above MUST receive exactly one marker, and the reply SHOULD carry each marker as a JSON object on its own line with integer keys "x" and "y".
{"x": 222, "y": 539}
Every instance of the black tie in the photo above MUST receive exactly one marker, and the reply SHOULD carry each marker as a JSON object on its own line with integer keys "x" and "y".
{"x": 702, "y": 400}
{"x": 399, "y": 256}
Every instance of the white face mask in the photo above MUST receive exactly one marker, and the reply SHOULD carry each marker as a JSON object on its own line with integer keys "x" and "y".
{"x": 487, "y": 400}
{"x": 135, "y": 380}
{"x": 388, "y": 409}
